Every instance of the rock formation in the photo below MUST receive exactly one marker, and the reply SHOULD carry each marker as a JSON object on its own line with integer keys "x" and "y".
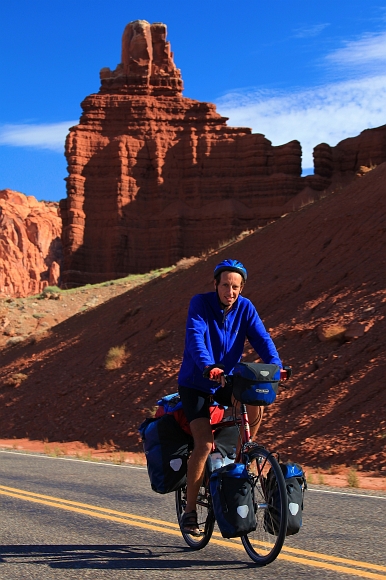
{"x": 155, "y": 176}
{"x": 345, "y": 159}
{"x": 30, "y": 244}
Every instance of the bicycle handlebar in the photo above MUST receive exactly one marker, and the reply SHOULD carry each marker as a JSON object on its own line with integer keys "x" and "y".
{"x": 285, "y": 372}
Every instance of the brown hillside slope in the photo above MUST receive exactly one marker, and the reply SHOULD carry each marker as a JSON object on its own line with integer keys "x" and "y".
{"x": 312, "y": 274}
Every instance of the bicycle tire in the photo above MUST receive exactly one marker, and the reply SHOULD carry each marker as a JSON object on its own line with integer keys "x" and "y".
{"x": 205, "y": 517}
{"x": 263, "y": 546}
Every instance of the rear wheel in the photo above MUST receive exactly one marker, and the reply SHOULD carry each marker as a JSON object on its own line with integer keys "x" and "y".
{"x": 205, "y": 517}
{"x": 271, "y": 508}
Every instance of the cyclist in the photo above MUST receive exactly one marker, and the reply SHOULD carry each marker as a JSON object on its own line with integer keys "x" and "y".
{"x": 217, "y": 325}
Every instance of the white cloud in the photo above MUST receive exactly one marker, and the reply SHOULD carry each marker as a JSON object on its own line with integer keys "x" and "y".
{"x": 42, "y": 136}
{"x": 323, "y": 114}
{"x": 310, "y": 31}
{"x": 328, "y": 113}
{"x": 366, "y": 56}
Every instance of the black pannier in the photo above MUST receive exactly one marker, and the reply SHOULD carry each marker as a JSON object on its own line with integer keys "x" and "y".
{"x": 233, "y": 504}
{"x": 166, "y": 447}
{"x": 296, "y": 484}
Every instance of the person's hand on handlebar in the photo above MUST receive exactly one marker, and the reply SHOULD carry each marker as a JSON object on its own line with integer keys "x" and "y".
{"x": 215, "y": 373}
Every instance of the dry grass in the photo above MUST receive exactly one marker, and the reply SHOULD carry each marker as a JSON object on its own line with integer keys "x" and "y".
{"x": 365, "y": 169}
{"x": 352, "y": 478}
{"x": 116, "y": 357}
{"x": 185, "y": 263}
{"x": 85, "y": 456}
{"x": 54, "y": 452}
{"x": 118, "y": 458}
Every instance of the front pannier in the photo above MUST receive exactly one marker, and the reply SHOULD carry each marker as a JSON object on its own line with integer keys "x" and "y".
{"x": 296, "y": 484}
{"x": 232, "y": 496}
{"x": 255, "y": 383}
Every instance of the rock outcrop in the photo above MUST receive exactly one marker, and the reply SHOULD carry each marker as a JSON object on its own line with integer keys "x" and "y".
{"x": 30, "y": 244}
{"x": 368, "y": 149}
{"x": 154, "y": 176}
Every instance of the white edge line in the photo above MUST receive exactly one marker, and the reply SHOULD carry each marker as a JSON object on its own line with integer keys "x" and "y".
{"x": 346, "y": 493}
{"x": 104, "y": 463}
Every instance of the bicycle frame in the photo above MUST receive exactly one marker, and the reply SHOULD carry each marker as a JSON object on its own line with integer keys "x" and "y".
{"x": 242, "y": 420}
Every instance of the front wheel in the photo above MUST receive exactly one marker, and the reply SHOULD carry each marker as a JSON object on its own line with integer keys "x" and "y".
{"x": 205, "y": 517}
{"x": 271, "y": 507}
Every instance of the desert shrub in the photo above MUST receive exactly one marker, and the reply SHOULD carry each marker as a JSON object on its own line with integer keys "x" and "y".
{"x": 116, "y": 357}
{"x": 352, "y": 478}
{"x": 51, "y": 289}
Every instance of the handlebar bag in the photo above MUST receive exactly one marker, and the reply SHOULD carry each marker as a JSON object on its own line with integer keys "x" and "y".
{"x": 166, "y": 447}
{"x": 255, "y": 383}
{"x": 232, "y": 497}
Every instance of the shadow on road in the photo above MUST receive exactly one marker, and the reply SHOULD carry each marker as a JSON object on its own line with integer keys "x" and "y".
{"x": 106, "y": 557}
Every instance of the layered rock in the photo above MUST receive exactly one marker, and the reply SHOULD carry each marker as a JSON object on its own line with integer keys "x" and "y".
{"x": 155, "y": 176}
{"x": 368, "y": 149}
{"x": 30, "y": 244}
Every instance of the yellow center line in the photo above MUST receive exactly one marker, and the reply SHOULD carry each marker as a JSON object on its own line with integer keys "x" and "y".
{"x": 289, "y": 554}
{"x": 67, "y": 502}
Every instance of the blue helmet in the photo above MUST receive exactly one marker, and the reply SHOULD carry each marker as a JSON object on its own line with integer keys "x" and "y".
{"x": 231, "y": 266}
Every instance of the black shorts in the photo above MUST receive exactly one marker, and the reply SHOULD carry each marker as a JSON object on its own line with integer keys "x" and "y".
{"x": 196, "y": 403}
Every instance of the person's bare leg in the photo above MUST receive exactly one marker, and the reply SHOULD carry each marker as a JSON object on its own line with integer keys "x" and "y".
{"x": 203, "y": 439}
{"x": 255, "y": 415}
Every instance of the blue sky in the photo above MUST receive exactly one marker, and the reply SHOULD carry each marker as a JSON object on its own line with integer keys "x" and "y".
{"x": 290, "y": 69}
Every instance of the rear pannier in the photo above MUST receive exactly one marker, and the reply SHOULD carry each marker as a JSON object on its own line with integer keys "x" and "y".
{"x": 166, "y": 447}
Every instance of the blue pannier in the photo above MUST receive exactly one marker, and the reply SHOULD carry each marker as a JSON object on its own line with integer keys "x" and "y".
{"x": 170, "y": 403}
{"x": 166, "y": 447}
{"x": 296, "y": 484}
{"x": 255, "y": 383}
{"x": 233, "y": 503}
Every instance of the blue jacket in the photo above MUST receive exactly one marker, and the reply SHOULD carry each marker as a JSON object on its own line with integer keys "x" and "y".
{"x": 213, "y": 337}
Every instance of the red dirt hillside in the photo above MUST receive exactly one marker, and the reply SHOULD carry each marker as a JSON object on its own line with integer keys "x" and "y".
{"x": 318, "y": 279}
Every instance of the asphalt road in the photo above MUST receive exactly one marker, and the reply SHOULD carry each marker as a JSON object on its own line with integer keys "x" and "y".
{"x": 70, "y": 519}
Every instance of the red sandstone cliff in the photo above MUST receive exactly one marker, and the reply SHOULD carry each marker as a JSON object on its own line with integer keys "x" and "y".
{"x": 155, "y": 176}
{"x": 30, "y": 245}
